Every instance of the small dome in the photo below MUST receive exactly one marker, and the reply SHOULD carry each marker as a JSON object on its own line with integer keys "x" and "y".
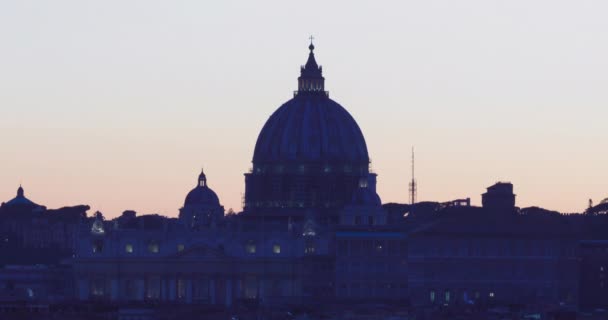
{"x": 21, "y": 200}
{"x": 365, "y": 196}
{"x": 202, "y": 194}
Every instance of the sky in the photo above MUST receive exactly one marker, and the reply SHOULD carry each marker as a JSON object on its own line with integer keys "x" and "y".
{"x": 119, "y": 104}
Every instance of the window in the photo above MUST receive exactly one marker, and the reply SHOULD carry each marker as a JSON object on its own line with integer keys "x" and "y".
{"x": 491, "y": 295}
{"x": 370, "y": 220}
{"x": 97, "y": 246}
{"x": 276, "y": 249}
{"x": 447, "y": 297}
{"x": 432, "y": 296}
{"x": 250, "y": 247}
{"x": 201, "y": 289}
{"x": 357, "y": 220}
{"x": 153, "y": 287}
{"x": 309, "y": 247}
{"x": 130, "y": 289}
{"x": 180, "y": 247}
{"x": 153, "y": 247}
{"x": 129, "y": 248}
{"x": 181, "y": 288}
{"x": 98, "y": 287}
{"x": 379, "y": 247}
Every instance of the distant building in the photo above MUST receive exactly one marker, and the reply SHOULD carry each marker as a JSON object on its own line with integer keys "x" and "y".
{"x": 494, "y": 256}
{"x": 202, "y": 206}
{"x": 499, "y": 197}
{"x": 31, "y": 234}
{"x": 21, "y": 203}
{"x": 313, "y": 228}
{"x": 594, "y": 274}
{"x": 313, "y": 231}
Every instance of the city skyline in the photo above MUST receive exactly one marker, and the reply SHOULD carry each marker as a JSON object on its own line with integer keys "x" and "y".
{"x": 124, "y": 117}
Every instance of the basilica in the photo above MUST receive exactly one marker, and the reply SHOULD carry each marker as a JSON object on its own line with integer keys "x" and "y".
{"x": 311, "y": 221}
{"x": 313, "y": 232}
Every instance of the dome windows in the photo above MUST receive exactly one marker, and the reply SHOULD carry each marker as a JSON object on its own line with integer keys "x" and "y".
{"x": 97, "y": 246}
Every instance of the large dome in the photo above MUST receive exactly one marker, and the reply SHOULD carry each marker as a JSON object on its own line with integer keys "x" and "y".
{"x": 310, "y": 154}
{"x": 311, "y": 128}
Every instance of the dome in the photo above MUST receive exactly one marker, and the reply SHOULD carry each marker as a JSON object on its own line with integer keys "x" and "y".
{"x": 310, "y": 153}
{"x": 21, "y": 200}
{"x": 202, "y": 194}
{"x": 311, "y": 128}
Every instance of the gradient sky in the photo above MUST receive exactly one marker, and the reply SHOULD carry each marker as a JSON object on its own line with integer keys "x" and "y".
{"x": 118, "y": 104}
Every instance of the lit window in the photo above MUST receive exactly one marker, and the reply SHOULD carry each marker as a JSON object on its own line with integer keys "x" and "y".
{"x": 447, "y": 296}
{"x": 379, "y": 247}
{"x": 363, "y": 183}
{"x": 602, "y": 269}
{"x": 250, "y": 247}
{"x": 432, "y": 296}
{"x": 276, "y": 249}
{"x": 129, "y": 248}
{"x": 491, "y": 295}
{"x": 153, "y": 247}
{"x": 180, "y": 247}
{"x": 309, "y": 247}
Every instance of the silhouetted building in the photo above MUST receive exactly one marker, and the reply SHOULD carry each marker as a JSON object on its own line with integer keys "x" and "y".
{"x": 202, "y": 206}
{"x": 21, "y": 204}
{"x": 311, "y": 217}
{"x": 32, "y": 234}
{"x": 310, "y": 154}
{"x": 469, "y": 256}
{"x": 313, "y": 231}
{"x": 499, "y": 197}
{"x": 594, "y": 274}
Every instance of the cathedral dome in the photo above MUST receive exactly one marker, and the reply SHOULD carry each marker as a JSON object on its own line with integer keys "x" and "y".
{"x": 202, "y": 194}
{"x": 310, "y": 128}
{"x": 310, "y": 154}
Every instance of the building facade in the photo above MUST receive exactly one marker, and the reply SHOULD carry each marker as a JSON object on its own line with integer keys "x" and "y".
{"x": 310, "y": 218}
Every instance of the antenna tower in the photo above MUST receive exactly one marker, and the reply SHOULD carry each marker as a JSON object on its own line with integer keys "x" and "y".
{"x": 413, "y": 184}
